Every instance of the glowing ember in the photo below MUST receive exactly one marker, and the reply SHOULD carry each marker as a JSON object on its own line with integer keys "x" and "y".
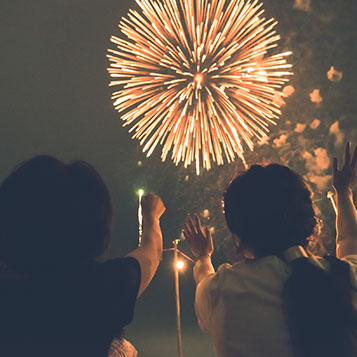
{"x": 194, "y": 77}
{"x": 180, "y": 264}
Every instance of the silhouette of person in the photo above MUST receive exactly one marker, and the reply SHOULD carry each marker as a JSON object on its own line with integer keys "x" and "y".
{"x": 55, "y": 298}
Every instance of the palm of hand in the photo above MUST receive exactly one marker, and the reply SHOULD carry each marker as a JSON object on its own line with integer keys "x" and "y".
{"x": 198, "y": 238}
{"x": 345, "y": 178}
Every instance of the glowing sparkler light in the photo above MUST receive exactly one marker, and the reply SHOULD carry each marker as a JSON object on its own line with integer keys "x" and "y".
{"x": 140, "y": 215}
{"x": 195, "y": 77}
{"x": 180, "y": 264}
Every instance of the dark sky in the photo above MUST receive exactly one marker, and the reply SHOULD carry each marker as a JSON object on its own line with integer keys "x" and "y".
{"x": 55, "y": 100}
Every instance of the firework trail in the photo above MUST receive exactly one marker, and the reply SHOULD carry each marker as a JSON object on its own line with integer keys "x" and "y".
{"x": 194, "y": 77}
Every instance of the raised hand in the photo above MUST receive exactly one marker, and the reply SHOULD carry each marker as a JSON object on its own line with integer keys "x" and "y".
{"x": 346, "y": 178}
{"x": 152, "y": 206}
{"x": 149, "y": 253}
{"x": 198, "y": 238}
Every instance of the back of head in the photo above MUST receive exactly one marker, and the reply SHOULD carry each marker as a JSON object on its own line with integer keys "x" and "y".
{"x": 53, "y": 214}
{"x": 269, "y": 208}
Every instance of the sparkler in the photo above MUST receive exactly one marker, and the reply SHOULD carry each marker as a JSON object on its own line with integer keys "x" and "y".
{"x": 330, "y": 196}
{"x": 194, "y": 77}
{"x": 179, "y": 264}
{"x": 140, "y": 216}
{"x": 177, "y": 299}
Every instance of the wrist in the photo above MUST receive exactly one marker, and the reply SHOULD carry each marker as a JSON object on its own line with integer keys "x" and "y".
{"x": 150, "y": 219}
{"x": 205, "y": 256}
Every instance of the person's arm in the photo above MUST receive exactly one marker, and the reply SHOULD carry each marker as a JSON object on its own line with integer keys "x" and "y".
{"x": 201, "y": 244}
{"x": 202, "y": 268}
{"x": 346, "y": 219}
{"x": 148, "y": 254}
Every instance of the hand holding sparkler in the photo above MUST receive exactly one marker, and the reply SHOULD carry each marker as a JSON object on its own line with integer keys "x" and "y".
{"x": 152, "y": 207}
{"x": 346, "y": 178}
{"x": 198, "y": 238}
{"x": 149, "y": 252}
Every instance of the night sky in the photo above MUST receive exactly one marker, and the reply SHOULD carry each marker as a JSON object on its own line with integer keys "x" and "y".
{"x": 55, "y": 100}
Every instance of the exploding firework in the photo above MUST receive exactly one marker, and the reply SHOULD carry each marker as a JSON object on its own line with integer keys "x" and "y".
{"x": 195, "y": 77}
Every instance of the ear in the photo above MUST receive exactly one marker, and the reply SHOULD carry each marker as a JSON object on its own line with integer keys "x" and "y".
{"x": 248, "y": 254}
{"x": 236, "y": 239}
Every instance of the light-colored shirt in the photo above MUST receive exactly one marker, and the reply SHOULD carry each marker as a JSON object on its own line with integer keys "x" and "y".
{"x": 122, "y": 348}
{"x": 240, "y": 306}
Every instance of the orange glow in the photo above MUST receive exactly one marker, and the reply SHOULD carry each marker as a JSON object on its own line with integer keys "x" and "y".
{"x": 180, "y": 265}
{"x": 198, "y": 78}
{"x": 195, "y": 77}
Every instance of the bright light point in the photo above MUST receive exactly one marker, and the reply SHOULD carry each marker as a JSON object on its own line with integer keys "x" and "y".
{"x": 329, "y": 194}
{"x": 198, "y": 78}
{"x": 180, "y": 264}
{"x": 141, "y": 192}
{"x": 205, "y": 213}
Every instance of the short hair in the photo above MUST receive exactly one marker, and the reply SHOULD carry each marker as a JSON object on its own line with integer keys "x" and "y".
{"x": 53, "y": 214}
{"x": 270, "y": 209}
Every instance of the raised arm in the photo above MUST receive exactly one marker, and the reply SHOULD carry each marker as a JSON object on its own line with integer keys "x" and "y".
{"x": 149, "y": 253}
{"x": 200, "y": 241}
{"x": 346, "y": 219}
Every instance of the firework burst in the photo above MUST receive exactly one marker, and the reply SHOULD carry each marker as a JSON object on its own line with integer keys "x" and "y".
{"x": 195, "y": 77}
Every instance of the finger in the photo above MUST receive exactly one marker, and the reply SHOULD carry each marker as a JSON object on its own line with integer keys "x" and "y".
{"x": 198, "y": 224}
{"x": 209, "y": 237}
{"x": 190, "y": 227}
{"x": 208, "y": 233}
{"x": 186, "y": 235}
{"x": 354, "y": 158}
{"x": 146, "y": 198}
{"x": 187, "y": 229}
{"x": 149, "y": 194}
{"x": 191, "y": 224}
{"x": 335, "y": 166}
{"x": 189, "y": 237}
{"x": 347, "y": 153}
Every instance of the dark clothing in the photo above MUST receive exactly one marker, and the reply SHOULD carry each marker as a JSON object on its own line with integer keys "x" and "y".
{"x": 77, "y": 312}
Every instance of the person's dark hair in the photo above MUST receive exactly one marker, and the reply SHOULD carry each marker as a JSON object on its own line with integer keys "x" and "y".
{"x": 53, "y": 214}
{"x": 269, "y": 208}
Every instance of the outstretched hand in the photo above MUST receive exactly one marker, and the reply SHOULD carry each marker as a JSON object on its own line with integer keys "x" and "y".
{"x": 346, "y": 178}
{"x": 198, "y": 238}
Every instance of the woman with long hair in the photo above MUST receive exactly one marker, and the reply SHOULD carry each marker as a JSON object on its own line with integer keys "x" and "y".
{"x": 281, "y": 300}
{"x": 56, "y": 299}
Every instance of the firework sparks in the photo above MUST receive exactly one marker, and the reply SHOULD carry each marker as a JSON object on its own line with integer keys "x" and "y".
{"x": 195, "y": 77}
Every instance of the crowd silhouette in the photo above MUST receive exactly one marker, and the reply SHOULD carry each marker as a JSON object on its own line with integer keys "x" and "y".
{"x": 280, "y": 299}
